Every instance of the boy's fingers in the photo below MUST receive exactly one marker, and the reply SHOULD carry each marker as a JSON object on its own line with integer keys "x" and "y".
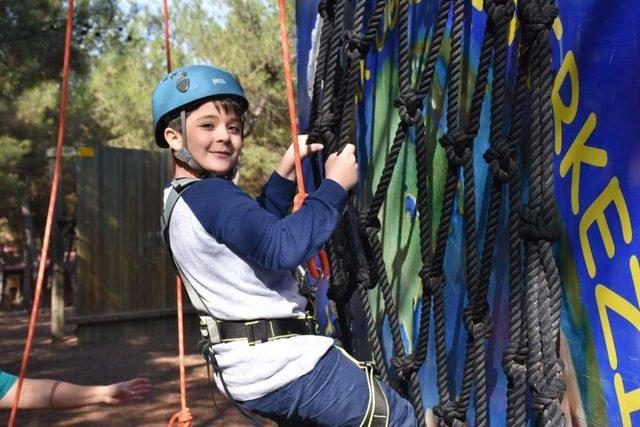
{"x": 315, "y": 147}
{"x": 349, "y": 148}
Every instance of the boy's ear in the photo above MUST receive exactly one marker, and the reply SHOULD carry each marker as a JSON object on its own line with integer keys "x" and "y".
{"x": 173, "y": 138}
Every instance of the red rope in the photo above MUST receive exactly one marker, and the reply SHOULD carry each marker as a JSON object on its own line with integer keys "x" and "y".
{"x": 302, "y": 194}
{"x": 49, "y": 222}
{"x": 167, "y": 48}
{"x": 183, "y": 416}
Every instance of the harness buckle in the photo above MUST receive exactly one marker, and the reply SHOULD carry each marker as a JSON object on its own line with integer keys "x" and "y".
{"x": 256, "y": 332}
{"x": 209, "y": 330}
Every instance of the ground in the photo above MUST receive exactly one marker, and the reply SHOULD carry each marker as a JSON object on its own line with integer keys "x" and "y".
{"x": 146, "y": 356}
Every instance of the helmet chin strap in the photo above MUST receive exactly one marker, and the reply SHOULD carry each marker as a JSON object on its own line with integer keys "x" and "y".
{"x": 183, "y": 155}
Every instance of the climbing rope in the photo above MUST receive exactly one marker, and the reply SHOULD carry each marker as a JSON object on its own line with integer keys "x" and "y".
{"x": 356, "y": 248}
{"x": 302, "y": 194}
{"x": 183, "y": 417}
{"x": 62, "y": 119}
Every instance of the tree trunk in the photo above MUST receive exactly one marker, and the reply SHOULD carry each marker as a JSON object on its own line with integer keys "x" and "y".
{"x": 57, "y": 273}
{"x": 29, "y": 253}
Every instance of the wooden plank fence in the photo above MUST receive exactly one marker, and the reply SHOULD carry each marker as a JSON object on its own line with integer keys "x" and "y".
{"x": 125, "y": 279}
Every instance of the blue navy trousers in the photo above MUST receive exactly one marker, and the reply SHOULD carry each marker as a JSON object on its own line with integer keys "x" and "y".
{"x": 334, "y": 393}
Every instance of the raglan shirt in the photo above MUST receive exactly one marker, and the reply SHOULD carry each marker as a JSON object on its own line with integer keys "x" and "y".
{"x": 238, "y": 254}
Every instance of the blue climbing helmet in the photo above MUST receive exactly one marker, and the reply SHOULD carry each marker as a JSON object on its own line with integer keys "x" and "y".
{"x": 189, "y": 84}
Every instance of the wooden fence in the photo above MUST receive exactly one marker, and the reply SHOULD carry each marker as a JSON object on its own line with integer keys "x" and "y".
{"x": 125, "y": 279}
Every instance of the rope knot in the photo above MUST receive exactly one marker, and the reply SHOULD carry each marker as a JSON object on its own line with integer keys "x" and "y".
{"x": 513, "y": 362}
{"x": 364, "y": 278}
{"x": 537, "y": 19}
{"x": 367, "y": 221}
{"x": 431, "y": 275}
{"x": 534, "y": 228}
{"x": 457, "y": 145}
{"x": 551, "y": 389}
{"x": 500, "y": 162}
{"x": 499, "y": 12}
{"x": 322, "y": 131}
{"x": 405, "y": 366}
{"x": 451, "y": 413}
{"x": 409, "y": 105}
{"x": 325, "y": 8}
{"x": 357, "y": 45}
{"x": 478, "y": 329}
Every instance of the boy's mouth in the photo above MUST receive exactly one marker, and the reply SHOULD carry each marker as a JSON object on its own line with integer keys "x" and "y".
{"x": 221, "y": 153}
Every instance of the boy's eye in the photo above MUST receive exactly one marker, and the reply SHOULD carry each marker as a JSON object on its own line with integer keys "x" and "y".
{"x": 207, "y": 125}
{"x": 234, "y": 128}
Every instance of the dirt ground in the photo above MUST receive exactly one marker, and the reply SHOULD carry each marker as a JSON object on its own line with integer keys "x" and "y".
{"x": 144, "y": 356}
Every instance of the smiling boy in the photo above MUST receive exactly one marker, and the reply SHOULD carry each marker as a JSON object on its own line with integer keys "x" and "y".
{"x": 235, "y": 255}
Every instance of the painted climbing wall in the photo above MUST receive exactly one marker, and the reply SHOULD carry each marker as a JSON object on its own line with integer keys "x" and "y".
{"x": 596, "y": 104}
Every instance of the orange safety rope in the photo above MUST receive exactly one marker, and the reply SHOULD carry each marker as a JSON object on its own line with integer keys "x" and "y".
{"x": 49, "y": 222}
{"x": 302, "y": 194}
{"x": 183, "y": 416}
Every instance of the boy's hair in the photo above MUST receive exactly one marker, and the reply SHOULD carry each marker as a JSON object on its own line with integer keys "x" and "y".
{"x": 226, "y": 104}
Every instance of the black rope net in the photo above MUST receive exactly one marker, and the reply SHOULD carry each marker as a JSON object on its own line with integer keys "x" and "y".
{"x": 531, "y": 360}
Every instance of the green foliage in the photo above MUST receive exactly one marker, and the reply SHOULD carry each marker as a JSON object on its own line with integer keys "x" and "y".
{"x": 247, "y": 43}
{"x": 117, "y": 58}
{"x": 31, "y": 48}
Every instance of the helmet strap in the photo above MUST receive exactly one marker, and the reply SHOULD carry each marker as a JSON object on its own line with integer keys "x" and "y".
{"x": 183, "y": 155}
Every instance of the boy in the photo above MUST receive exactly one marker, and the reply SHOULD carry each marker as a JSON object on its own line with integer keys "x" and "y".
{"x": 235, "y": 255}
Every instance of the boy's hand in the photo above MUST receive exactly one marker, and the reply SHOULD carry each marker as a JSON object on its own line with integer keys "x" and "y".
{"x": 343, "y": 168}
{"x": 286, "y": 168}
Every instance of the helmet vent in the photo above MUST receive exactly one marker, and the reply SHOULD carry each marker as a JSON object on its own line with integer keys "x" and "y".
{"x": 183, "y": 85}
{"x": 178, "y": 76}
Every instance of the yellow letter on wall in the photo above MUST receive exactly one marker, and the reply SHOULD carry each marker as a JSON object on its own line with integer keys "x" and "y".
{"x": 607, "y": 299}
{"x": 595, "y": 214}
{"x": 565, "y": 113}
{"x": 628, "y": 401}
{"x": 579, "y": 153}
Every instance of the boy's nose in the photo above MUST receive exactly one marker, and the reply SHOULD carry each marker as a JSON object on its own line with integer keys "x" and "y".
{"x": 223, "y": 134}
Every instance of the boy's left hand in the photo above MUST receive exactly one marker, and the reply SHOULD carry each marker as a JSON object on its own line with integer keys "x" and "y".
{"x": 286, "y": 168}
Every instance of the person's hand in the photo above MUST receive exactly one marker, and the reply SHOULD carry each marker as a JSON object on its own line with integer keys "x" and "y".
{"x": 286, "y": 168}
{"x": 343, "y": 168}
{"x": 127, "y": 391}
{"x": 305, "y": 149}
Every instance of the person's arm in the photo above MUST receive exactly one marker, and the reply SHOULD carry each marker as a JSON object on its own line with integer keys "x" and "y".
{"x": 277, "y": 195}
{"x": 51, "y": 394}
{"x": 233, "y": 218}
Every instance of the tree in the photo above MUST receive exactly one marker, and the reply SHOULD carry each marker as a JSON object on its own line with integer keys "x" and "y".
{"x": 244, "y": 39}
{"x": 31, "y": 52}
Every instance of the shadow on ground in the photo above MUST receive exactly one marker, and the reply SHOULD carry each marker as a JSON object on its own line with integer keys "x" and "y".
{"x": 152, "y": 357}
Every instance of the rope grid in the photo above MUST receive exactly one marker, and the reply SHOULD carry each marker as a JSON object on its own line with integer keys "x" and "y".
{"x": 531, "y": 357}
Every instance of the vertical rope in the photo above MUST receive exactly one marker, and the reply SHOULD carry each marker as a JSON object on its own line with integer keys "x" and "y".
{"x": 293, "y": 123}
{"x": 44, "y": 254}
{"x": 184, "y": 416}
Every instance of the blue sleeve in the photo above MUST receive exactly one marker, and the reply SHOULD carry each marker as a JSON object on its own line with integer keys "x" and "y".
{"x": 232, "y": 217}
{"x": 277, "y": 195}
{"x": 6, "y": 382}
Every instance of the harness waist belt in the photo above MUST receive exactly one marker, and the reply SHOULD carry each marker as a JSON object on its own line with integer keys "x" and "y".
{"x": 255, "y": 331}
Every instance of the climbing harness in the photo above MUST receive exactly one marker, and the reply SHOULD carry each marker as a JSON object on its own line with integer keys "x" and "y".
{"x": 377, "y": 412}
{"x": 355, "y": 250}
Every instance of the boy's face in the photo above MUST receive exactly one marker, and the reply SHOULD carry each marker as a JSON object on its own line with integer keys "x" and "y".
{"x": 214, "y": 138}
